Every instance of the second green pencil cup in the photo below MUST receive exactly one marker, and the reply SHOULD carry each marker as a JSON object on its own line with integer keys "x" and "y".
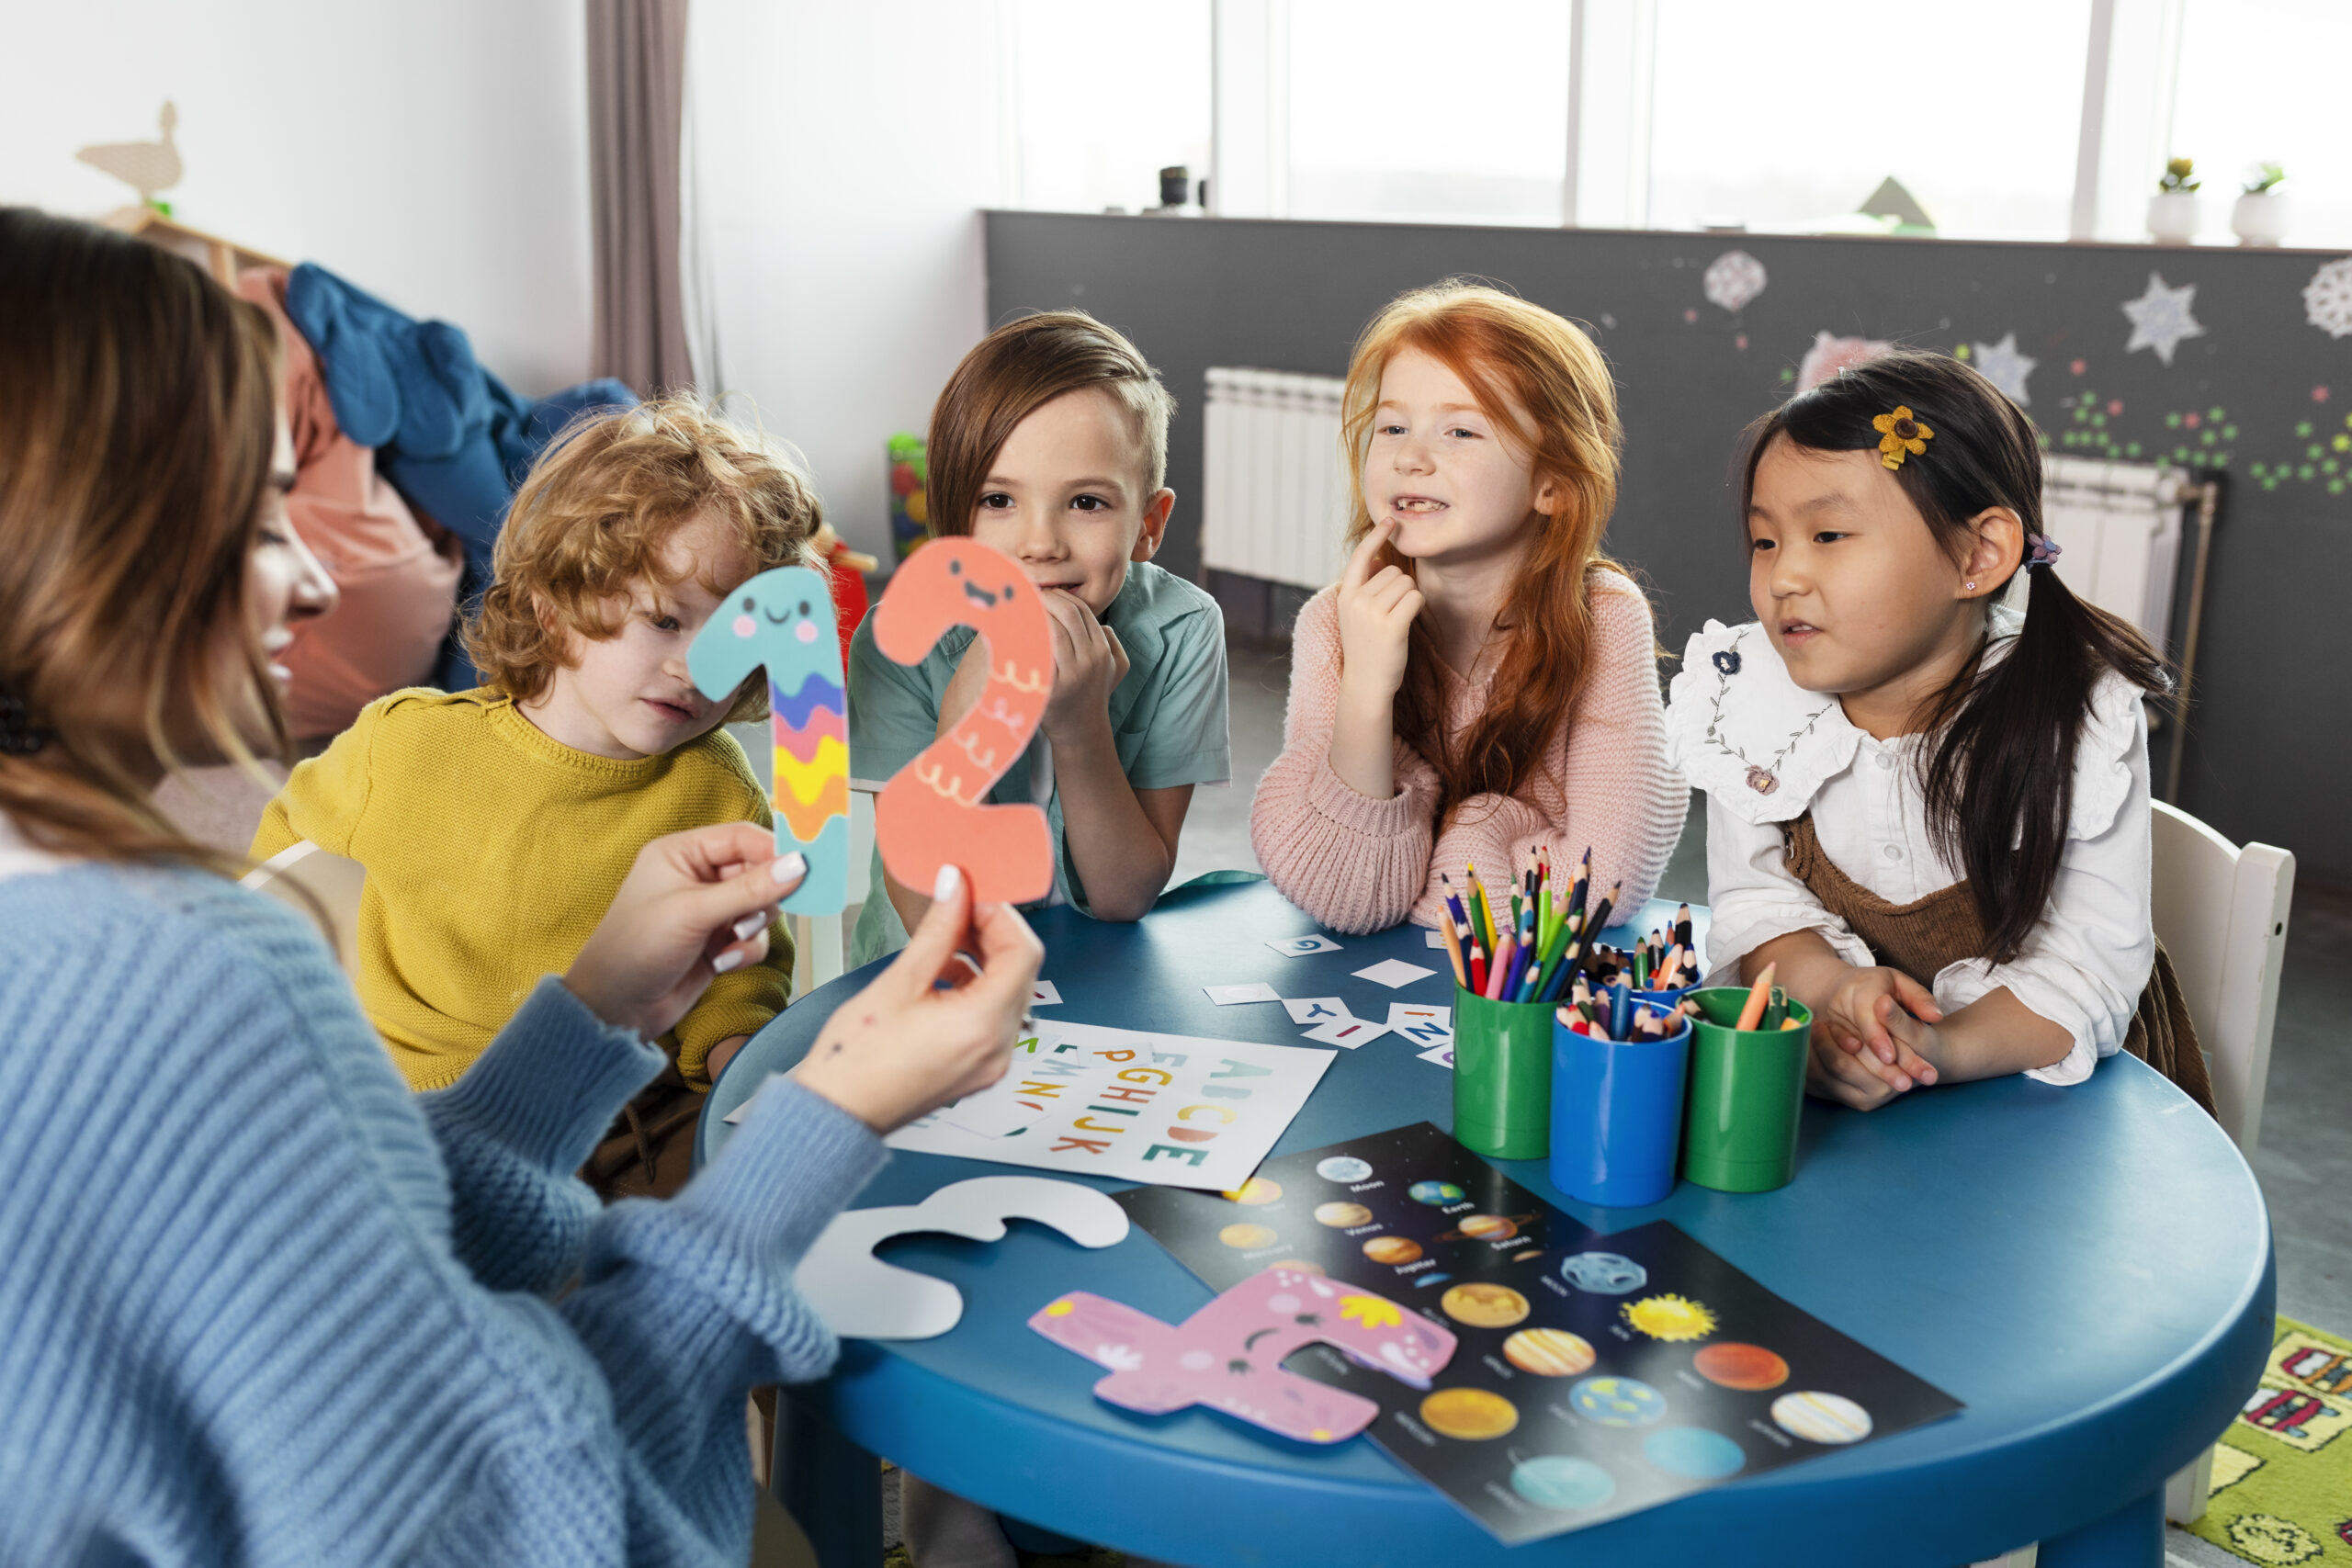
{"x": 1502, "y": 1077}
{"x": 1739, "y": 1132}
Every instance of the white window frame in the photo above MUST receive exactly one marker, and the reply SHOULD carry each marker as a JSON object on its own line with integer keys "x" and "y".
{"x": 2131, "y": 75}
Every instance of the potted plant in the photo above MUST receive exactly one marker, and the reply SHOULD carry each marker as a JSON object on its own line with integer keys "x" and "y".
{"x": 2260, "y": 216}
{"x": 2172, "y": 211}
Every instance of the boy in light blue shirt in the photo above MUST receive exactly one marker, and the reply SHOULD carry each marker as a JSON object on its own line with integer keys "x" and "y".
{"x": 1050, "y": 445}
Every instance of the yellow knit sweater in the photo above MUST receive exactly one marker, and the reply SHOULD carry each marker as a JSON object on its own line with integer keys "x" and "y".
{"x": 492, "y": 852}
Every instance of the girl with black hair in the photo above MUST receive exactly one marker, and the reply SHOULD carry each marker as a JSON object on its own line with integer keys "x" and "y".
{"x": 1926, "y": 761}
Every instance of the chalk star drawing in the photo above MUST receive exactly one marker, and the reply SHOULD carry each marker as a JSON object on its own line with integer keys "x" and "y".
{"x": 2327, "y": 298}
{"x": 2160, "y": 318}
{"x": 1733, "y": 279}
{"x": 2001, "y": 364}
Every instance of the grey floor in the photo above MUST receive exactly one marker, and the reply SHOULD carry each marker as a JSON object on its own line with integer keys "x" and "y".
{"x": 2304, "y": 1159}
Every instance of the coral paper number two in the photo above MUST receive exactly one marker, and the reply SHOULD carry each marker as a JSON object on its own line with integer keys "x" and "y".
{"x": 783, "y": 620}
{"x": 931, "y": 813}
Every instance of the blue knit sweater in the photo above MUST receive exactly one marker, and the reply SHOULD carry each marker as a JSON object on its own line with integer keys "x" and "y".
{"x": 260, "y": 1305}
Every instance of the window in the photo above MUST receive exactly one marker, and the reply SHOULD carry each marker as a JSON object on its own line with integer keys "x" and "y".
{"x": 1104, "y": 96}
{"x": 2263, "y": 80}
{"x": 1447, "y": 114}
{"x": 1780, "y": 117}
{"x": 1680, "y": 114}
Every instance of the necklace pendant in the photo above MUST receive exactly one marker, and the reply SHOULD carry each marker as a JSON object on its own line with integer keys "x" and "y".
{"x": 1761, "y": 781}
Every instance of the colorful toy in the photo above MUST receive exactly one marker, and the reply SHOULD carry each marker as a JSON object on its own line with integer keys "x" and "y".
{"x": 910, "y": 501}
{"x": 783, "y": 620}
{"x": 1228, "y": 1355}
{"x": 933, "y": 813}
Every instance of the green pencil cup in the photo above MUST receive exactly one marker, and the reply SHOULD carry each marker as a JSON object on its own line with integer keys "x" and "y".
{"x": 1502, "y": 1077}
{"x": 1739, "y": 1124}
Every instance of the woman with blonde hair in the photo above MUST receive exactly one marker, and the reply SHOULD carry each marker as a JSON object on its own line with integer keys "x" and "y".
{"x": 1481, "y": 683}
{"x": 262, "y": 1304}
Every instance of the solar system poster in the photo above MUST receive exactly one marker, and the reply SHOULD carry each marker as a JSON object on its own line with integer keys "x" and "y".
{"x": 1597, "y": 1375}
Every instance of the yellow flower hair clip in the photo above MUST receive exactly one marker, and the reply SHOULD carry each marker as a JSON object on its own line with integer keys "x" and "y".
{"x": 1899, "y": 434}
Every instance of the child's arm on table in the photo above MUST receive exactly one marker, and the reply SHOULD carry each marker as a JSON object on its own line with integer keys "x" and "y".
{"x": 1122, "y": 841}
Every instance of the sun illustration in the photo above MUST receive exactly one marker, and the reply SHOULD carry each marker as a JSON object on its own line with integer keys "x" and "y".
{"x": 1371, "y": 1311}
{"x": 1670, "y": 1317}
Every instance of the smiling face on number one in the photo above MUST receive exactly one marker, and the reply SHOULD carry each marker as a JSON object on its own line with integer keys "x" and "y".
{"x": 931, "y": 813}
{"x": 782, "y": 620}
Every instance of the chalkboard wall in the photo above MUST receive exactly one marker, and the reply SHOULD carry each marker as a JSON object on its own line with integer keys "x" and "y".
{"x": 2262, "y": 396}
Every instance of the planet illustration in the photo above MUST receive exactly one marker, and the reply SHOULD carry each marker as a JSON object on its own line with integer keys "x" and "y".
{"x": 1603, "y": 1273}
{"x": 1694, "y": 1452}
{"x": 1472, "y": 1415}
{"x": 1299, "y": 1265}
{"x": 1342, "y": 1167}
{"x": 1426, "y": 1280}
{"x": 1392, "y": 1250}
{"x": 1557, "y": 1481}
{"x": 1485, "y": 1307}
{"x": 1434, "y": 1193}
{"x": 1245, "y": 1236}
{"x": 1750, "y": 1368}
{"x": 1617, "y": 1402}
{"x": 1339, "y": 1217}
{"x": 1549, "y": 1352}
{"x": 1821, "y": 1417}
{"x": 1257, "y": 1189}
{"x": 1670, "y": 1317}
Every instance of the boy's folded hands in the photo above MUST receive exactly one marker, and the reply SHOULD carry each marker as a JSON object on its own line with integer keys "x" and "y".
{"x": 1088, "y": 664}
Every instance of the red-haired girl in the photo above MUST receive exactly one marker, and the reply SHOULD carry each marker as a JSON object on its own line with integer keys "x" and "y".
{"x": 1482, "y": 680}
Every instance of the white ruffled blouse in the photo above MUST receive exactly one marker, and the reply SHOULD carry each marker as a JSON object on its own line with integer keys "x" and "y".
{"x": 1766, "y": 751}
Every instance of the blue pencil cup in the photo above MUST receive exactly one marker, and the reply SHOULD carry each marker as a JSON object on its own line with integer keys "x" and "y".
{"x": 1669, "y": 998}
{"x": 1617, "y": 1115}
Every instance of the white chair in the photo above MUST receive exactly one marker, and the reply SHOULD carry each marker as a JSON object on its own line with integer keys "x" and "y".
{"x": 2220, "y": 912}
{"x": 819, "y": 937}
{"x": 333, "y": 884}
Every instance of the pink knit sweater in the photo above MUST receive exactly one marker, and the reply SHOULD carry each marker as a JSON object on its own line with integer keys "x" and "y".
{"x": 1357, "y": 865}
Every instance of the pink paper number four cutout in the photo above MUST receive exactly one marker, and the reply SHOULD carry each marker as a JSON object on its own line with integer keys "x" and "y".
{"x": 1228, "y": 1355}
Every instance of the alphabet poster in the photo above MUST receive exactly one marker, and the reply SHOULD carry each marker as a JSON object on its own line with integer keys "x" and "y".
{"x": 1172, "y": 1109}
{"x": 1596, "y": 1375}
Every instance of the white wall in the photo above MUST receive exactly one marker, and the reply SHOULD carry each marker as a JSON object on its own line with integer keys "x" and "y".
{"x": 433, "y": 151}
{"x": 844, "y": 152}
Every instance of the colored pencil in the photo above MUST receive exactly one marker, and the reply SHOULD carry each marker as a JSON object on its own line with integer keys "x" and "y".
{"x": 1453, "y": 951}
{"x": 1759, "y": 995}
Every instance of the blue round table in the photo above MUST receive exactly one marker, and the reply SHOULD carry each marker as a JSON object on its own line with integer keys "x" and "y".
{"x": 2088, "y": 1268}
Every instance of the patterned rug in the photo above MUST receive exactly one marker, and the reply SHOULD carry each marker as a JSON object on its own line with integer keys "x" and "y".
{"x": 2282, "y": 1474}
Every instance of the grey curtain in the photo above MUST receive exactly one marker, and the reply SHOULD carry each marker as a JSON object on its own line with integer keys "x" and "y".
{"x": 637, "y": 69}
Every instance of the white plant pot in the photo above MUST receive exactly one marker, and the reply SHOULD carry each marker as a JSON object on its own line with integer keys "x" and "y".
{"x": 2259, "y": 219}
{"x": 2172, "y": 217}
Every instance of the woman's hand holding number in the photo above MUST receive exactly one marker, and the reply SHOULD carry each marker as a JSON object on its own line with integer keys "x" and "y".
{"x": 1377, "y": 610}
{"x": 694, "y": 905}
{"x": 937, "y": 1024}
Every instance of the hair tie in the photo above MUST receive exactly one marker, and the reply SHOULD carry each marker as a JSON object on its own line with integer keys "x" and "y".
{"x": 1900, "y": 434}
{"x": 19, "y": 736}
{"x": 2042, "y": 551}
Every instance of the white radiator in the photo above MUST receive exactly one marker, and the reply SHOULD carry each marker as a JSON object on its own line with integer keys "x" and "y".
{"x": 1275, "y": 482}
{"x": 2119, "y": 525}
